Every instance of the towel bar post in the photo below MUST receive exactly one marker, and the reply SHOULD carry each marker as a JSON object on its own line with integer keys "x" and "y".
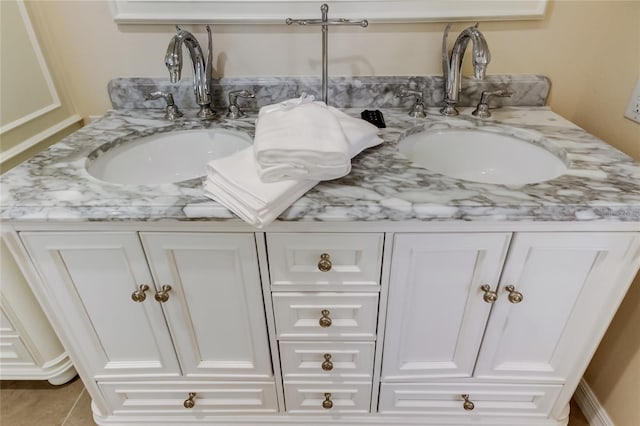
{"x": 325, "y": 22}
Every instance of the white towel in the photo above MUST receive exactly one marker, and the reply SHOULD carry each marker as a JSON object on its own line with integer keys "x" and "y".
{"x": 300, "y": 141}
{"x": 360, "y": 134}
{"x": 233, "y": 182}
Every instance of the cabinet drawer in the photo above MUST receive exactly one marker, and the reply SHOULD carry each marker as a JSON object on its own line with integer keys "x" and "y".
{"x": 349, "y": 316}
{"x": 327, "y": 360}
{"x": 14, "y": 353}
{"x": 353, "y": 261}
{"x": 487, "y": 399}
{"x": 344, "y": 397}
{"x": 167, "y": 398}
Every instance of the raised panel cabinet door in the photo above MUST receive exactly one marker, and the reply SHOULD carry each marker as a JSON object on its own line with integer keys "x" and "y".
{"x": 214, "y": 309}
{"x": 90, "y": 278}
{"x": 566, "y": 287}
{"x": 437, "y": 309}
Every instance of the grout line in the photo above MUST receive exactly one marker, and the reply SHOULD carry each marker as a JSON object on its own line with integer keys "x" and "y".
{"x": 73, "y": 406}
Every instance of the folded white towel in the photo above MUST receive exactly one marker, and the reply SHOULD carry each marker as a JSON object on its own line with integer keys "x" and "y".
{"x": 233, "y": 182}
{"x": 360, "y": 134}
{"x": 300, "y": 141}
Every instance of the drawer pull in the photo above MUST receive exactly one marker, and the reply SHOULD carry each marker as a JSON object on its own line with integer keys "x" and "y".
{"x": 489, "y": 296}
{"x": 190, "y": 402}
{"x": 325, "y": 321}
{"x": 468, "y": 405}
{"x": 327, "y": 403}
{"x": 327, "y": 365}
{"x": 514, "y": 296}
{"x": 325, "y": 264}
{"x": 139, "y": 296}
{"x": 163, "y": 295}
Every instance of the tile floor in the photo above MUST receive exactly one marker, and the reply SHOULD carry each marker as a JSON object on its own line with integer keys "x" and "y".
{"x": 37, "y": 403}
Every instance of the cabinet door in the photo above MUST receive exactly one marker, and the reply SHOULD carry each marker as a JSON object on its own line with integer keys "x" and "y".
{"x": 437, "y": 313}
{"x": 215, "y": 310}
{"x": 90, "y": 277}
{"x": 571, "y": 284}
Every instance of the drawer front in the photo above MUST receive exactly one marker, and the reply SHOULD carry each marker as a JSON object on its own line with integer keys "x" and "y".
{"x": 327, "y": 398}
{"x": 164, "y": 398}
{"x": 14, "y": 353}
{"x": 504, "y": 399}
{"x": 330, "y": 262}
{"x": 327, "y": 360}
{"x": 344, "y": 316}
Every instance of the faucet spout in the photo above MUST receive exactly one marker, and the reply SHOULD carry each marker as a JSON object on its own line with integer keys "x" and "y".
{"x": 201, "y": 70}
{"x": 452, "y": 64}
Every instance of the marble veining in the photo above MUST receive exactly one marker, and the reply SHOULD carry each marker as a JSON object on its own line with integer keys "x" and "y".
{"x": 601, "y": 184}
{"x": 344, "y": 92}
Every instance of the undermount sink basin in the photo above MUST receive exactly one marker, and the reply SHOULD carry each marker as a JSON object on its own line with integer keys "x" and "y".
{"x": 483, "y": 156}
{"x": 164, "y": 157}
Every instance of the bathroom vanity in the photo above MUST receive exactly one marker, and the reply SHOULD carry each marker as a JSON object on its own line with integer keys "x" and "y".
{"x": 395, "y": 295}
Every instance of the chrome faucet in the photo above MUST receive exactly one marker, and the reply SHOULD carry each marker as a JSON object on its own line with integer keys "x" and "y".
{"x": 201, "y": 71}
{"x": 451, "y": 65}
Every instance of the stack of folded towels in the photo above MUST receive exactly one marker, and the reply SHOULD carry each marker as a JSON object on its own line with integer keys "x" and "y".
{"x": 298, "y": 143}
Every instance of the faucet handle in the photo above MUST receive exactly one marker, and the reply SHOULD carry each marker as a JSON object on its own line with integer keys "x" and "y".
{"x": 482, "y": 109}
{"x": 418, "y": 109}
{"x": 172, "y": 112}
{"x": 234, "y": 110}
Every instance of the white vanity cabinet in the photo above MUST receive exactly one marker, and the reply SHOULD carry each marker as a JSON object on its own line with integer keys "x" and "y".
{"x": 479, "y": 324}
{"x": 158, "y": 306}
{"x": 484, "y": 326}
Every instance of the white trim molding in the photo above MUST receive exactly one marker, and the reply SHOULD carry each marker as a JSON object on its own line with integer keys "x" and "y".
{"x": 55, "y": 99}
{"x": 276, "y": 11}
{"x": 588, "y": 402}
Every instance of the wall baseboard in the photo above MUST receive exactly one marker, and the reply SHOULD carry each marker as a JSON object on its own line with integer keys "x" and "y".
{"x": 591, "y": 408}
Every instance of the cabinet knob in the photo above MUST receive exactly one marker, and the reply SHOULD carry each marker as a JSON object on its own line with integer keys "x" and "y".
{"x": 489, "y": 296}
{"x": 163, "y": 295}
{"x": 190, "y": 402}
{"x": 467, "y": 405}
{"x": 327, "y": 403}
{"x": 514, "y": 296}
{"x": 325, "y": 264}
{"x": 327, "y": 365}
{"x": 325, "y": 321}
{"x": 139, "y": 296}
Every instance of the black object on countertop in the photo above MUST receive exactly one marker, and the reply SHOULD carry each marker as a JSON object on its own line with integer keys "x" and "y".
{"x": 374, "y": 117}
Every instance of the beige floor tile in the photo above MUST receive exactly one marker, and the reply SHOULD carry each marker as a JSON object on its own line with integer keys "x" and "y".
{"x": 81, "y": 414}
{"x": 30, "y": 403}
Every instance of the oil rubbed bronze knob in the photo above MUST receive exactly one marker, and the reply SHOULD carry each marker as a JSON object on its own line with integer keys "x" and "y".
{"x": 489, "y": 296}
{"x": 325, "y": 264}
{"x": 325, "y": 321}
{"x": 327, "y": 365}
{"x": 327, "y": 403}
{"x": 139, "y": 296}
{"x": 191, "y": 401}
{"x": 514, "y": 296}
{"x": 468, "y": 405}
{"x": 163, "y": 295}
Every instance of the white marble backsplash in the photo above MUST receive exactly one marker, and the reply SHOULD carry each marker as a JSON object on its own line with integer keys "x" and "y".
{"x": 343, "y": 92}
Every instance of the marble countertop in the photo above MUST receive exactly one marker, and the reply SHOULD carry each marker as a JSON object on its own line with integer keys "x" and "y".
{"x": 602, "y": 184}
